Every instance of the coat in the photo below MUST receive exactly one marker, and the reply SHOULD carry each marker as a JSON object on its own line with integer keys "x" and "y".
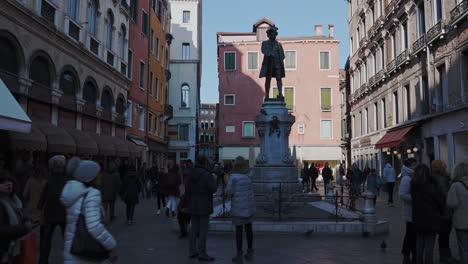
{"x": 373, "y": 183}
{"x": 457, "y": 199}
{"x": 404, "y": 192}
{"x": 32, "y": 196}
{"x": 53, "y": 211}
{"x": 272, "y": 62}
{"x": 131, "y": 189}
{"x": 8, "y": 231}
{"x": 240, "y": 190}
{"x": 200, "y": 187}
{"x": 76, "y": 198}
{"x": 327, "y": 175}
{"x": 110, "y": 182}
{"x": 389, "y": 173}
{"x": 172, "y": 185}
{"x": 428, "y": 206}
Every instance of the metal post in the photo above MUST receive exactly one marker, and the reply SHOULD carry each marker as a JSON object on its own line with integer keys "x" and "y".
{"x": 279, "y": 202}
{"x": 336, "y": 207}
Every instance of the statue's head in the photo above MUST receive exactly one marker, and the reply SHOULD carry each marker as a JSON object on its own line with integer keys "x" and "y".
{"x": 272, "y": 32}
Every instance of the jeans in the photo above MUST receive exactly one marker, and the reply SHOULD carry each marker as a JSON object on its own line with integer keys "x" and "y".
{"x": 199, "y": 227}
{"x": 444, "y": 234}
{"x": 47, "y": 233}
{"x": 161, "y": 199}
{"x": 390, "y": 188}
{"x": 109, "y": 208}
{"x": 425, "y": 248}
{"x": 314, "y": 185}
{"x": 409, "y": 242}
{"x": 130, "y": 211}
{"x": 172, "y": 203}
{"x": 248, "y": 233}
{"x": 462, "y": 239}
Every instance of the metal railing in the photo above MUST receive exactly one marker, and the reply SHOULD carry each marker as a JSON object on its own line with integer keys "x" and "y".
{"x": 434, "y": 32}
{"x": 419, "y": 44}
{"x": 40, "y": 92}
{"x": 380, "y": 75}
{"x": 391, "y": 66}
{"x": 459, "y": 11}
{"x": 68, "y": 101}
{"x": 402, "y": 58}
{"x": 372, "y": 81}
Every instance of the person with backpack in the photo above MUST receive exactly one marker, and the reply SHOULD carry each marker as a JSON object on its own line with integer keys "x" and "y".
{"x": 457, "y": 200}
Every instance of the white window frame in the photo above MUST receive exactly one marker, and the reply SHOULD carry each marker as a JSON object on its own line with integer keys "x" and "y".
{"x": 243, "y": 129}
{"x": 235, "y": 60}
{"x": 157, "y": 89}
{"x": 182, "y": 92}
{"x": 144, "y": 75}
{"x": 234, "y": 99}
{"x": 152, "y": 41}
{"x": 321, "y": 136}
{"x": 186, "y": 51}
{"x": 228, "y": 129}
{"x": 295, "y": 60}
{"x": 248, "y": 52}
{"x": 189, "y": 16}
{"x": 329, "y": 60}
{"x": 375, "y": 116}
{"x": 331, "y": 96}
{"x": 301, "y": 129}
{"x": 141, "y": 116}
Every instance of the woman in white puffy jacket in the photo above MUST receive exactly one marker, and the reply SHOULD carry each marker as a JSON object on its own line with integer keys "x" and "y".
{"x": 80, "y": 195}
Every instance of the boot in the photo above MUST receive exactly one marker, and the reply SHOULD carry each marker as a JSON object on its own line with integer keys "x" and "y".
{"x": 249, "y": 255}
{"x": 406, "y": 259}
{"x": 238, "y": 258}
{"x": 446, "y": 256}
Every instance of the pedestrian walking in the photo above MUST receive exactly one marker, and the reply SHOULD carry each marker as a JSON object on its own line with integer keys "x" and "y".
{"x": 32, "y": 192}
{"x": 409, "y": 242}
{"x": 428, "y": 208}
{"x": 327, "y": 175}
{"x": 356, "y": 180}
{"x": 389, "y": 178}
{"x": 457, "y": 200}
{"x": 365, "y": 174}
{"x": 158, "y": 188}
{"x": 110, "y": 187}
{"x": 305, "y": 177}
{"x": 81, "y": 196}
{"x": 341, "y": 173}
{"x": 183, "y": 216}
{"x": 53, "y": 211}
{"x": 172, "y": 184}
{"x": 440, "y": 174}
{"x": 200, "y": 187}
{"x": 314, "y": 173}
{"x": 240, "y": 191}
{"x": 373, "y": 183}
{"x": 131, "y": 193}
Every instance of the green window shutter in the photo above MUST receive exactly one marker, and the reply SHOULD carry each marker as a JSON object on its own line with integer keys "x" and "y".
{"x": 324, "y": 60}
{"x": 275, "y": 92}
{"x": 252, "y": 58}
{"x": 229, "y": 61}
{"x": 289, "y": 98}
{"x": 325, "y": 99}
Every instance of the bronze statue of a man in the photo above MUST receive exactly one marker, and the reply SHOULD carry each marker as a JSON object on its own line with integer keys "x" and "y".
{"x": 273, "y": 62}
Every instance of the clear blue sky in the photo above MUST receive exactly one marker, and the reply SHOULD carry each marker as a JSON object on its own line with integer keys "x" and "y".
{"x": 292, "y": 17}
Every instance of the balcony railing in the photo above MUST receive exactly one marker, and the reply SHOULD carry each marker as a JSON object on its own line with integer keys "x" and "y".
{"x": 403, "y": 57}
{"x": 125, "y": 6}
{"x": 40, "y": 92}
{"x": 90, "y": 109}
{"x": 106, "y": 114}
{"x": 120, "y": 119}
{"x": 363, "y": 42}
{"x": 363, "y": 89}
{"x": 460, "y": 11}
{"x": 389, "y": 8}
{"x": 68, "y": 101}
{"x": 377, "y": 23}
{"x": 391, "y": 66}
{"x": 372, "y": 81}
{"x": 380, "y": 75}
{"x": 419, "y": 44}
{"x": 434, "y": 32}
{"x": 326, "y": 108}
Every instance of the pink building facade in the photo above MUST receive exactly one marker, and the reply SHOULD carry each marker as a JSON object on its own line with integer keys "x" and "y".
{"x": 311, "y": 90}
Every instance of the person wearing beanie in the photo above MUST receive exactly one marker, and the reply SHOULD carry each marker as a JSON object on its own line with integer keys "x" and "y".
{"x": 81, "y": 195}
{"x": 53, "y": 211}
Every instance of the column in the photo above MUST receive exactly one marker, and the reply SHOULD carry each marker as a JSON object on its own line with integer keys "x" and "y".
{"x": 451, "y": 151}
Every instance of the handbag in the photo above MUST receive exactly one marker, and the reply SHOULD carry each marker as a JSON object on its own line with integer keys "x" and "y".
{"x": 84, "y": 244}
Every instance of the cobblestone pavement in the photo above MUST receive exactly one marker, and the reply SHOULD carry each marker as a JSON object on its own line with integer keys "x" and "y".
{"x": 152, "y": 240}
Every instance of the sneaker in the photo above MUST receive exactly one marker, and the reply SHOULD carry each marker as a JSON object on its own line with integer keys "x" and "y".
{"x": 158, "y": 212}
{"x": 249, "y": 255}
{"x": 238, "y": 258}
{"x": 193, "y": 255}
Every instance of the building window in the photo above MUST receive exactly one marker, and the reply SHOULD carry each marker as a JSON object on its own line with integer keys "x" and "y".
{"x": 324, "y": 60}
{"x": 230, "y": 129}
{"x": 407, "y": 103}
{"x": 158, "y": 49}
{"x": 73, "y": 9}
{"x": 326, "y": 129}
{"x": 353, "y": 125}
{"x": 157, "y": 89}
{"x": 151, "y": 84}
{"x": 438, "y": 10}
{"x": 290, "y": 59}
{"x": 361, "y": 123}
{"x": 184, "y": 95}
{"x": 229, "y": 99}
{"x": 442, "y": 89}
{"x": 382, "y": 57}
{"x": 183, "y": 132}
{"x": 150, "y": 122}
{"x": 301, "y": 129}
{"x": 376, "y": 117}
{"x": 186, "y": 17}
{"x": 383, "y": 106}
{"x": 109, "y": 24}
{"x": 404, "y": 36}
{"x": 421, "y": 20}
{"x": 394, "y": 47}
{"x": 252, "y": 60}
{"x": 366, "y": 121}
{"x": 374, "y": 63}
{"x": 212, "y": 124}
{"x": 142, "y": 75}
{"x": 144, "y": 23}
{"x": 123, "y": 42}
{"x": 288, "y": 93}
{"x": 152, "y": 41}
{"x": 141, "y": 117}
{"x": 130, "y": 64}
{"x": 129, "y": 113}
{"x": 229, "y": 61}
{"x": 185, "y": 51}
{"x": 395, "y": 108}
{"x": 248, "y": 129}
{"x": 92, "y": 17}
{"x": 134, "y": 10}
{"x": 325, "y": 99}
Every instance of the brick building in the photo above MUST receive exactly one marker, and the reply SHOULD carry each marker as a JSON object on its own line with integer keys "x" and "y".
{"x": 207, "y": 131}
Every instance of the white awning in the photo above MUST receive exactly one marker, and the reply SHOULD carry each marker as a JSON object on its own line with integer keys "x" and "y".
{"x": 318, "y": 153}
{"x": 12, "y": 116}
{"x": 231, "y": 153}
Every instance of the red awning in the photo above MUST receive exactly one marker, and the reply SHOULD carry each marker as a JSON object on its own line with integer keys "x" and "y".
{"x": 393, "y": 138}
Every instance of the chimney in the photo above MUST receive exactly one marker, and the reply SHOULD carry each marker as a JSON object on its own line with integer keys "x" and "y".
{"x": 318, "y": 30}
{"x": 331, "y": 31}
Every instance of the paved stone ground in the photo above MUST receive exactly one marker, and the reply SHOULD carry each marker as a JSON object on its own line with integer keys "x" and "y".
{"x": 152, "y": 240}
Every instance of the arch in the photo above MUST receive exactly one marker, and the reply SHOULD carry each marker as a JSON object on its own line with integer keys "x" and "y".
{"x": 11, "y": 53}
{"x": 107, "y": 99}
{"x": 69, "y": 81}
{"x": 120, "y": 104}
{"x": 42, "y": 68}
{"x": 185, "y": 95}
{"x": 90, "y": 91}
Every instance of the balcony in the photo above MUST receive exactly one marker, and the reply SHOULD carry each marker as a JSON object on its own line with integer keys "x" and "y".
{"x": 377, "y": 24}
{"x": 110, "y": 58}
{"x": 363, "y": 90}
{"x": 90, "y": 109}
{"x": 459, "y": 12}
{"x": 372, "y": 81}
{"x": 168, "y": 112}
{"x": 40, "y": 92}
{"x": 390, "y": 8}
{"x": 419, "y": 44}
{"x": 125, "y": 6}
{"x": 326, "y": 108}
{"x": 404, "y": 57}
{"x": 391, "y": 66}
{"x": 379, "y": 76}
{"x": 363, "y": 43}
{"x": 436, "y": 31}
{"x": 68, "y": 101}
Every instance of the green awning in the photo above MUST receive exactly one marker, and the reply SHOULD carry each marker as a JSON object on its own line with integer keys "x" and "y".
{"x": 12, "y": 116}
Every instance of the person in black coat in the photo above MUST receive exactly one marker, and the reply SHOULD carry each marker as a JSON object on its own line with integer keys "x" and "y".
{"x": 428, "y": 209}
{"x": 327, "y": 175}
{"x": 313, "y": 174}
{"x": 200, "y": 187}
{"x": 130, "y": 194}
